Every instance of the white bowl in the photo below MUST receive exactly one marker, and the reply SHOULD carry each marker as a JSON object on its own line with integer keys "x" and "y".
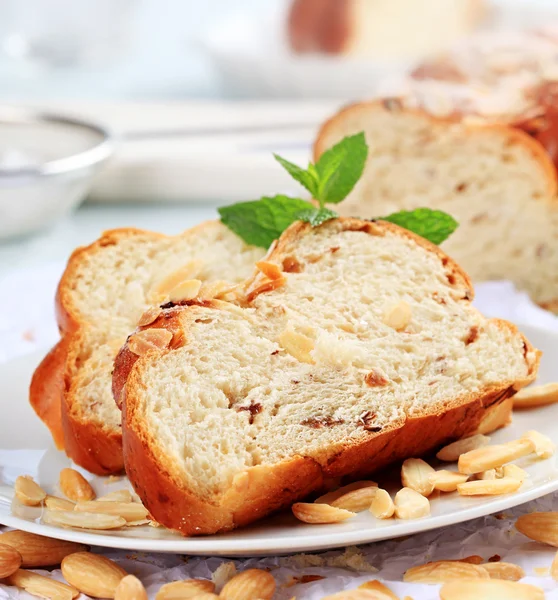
{"x": 47, "y": 165}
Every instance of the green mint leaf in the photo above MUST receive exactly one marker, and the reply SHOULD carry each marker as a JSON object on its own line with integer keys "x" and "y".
{"x": 340, "y": 168}
{"x": 307, "y": 178}
{"x": 434, "y": 225}
{"x": 317, "y": 216}
{"x": 259, "y": 222}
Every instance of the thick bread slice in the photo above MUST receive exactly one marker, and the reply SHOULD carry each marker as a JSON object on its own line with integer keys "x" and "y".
{"x": 252, "y": 407}
{"x": 103, "y": 292}
{"x": 496, "y": 181}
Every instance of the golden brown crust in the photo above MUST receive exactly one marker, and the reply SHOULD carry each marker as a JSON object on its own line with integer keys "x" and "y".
{"x": 261, "y": 490}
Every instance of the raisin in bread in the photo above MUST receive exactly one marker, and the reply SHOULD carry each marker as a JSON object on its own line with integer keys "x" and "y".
{"x": 105, "y": 289}
{"x": 495, "y": 180}
{"x": 357, "y": 346}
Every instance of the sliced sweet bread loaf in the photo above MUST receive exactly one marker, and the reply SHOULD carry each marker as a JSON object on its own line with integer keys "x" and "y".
{"x": 498, "y": 183}
{"x": 105, "y": 289}
{"x": 357, "y": 346}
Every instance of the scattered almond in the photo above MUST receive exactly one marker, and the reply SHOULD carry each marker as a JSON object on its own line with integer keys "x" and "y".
{"x": 37, "y": 550}
{"x": 131, "y": 511}
{"x": 415, "y": 474}
{"x": 489, "y": 487}
{"x": 332, "y": 496}
{"x": 74, "y": 485}
{"x": 453, "y": 451}
{"x": 535, "y": 396}
{"x": 378, "y": 586}
{"x": 490, "y": 457}
{"x": 297, "y": 345}
{"x": 554, "y": 568}
{"x": 10, "y": 560}
{"x": 320, "y": 513}
{"x": 188, "y": 588}
{"x": 539, "y": 526}
{"x": 42, "y": 586}
{"x": 270, "y": 270}
{"x": 398, "y": 316}
{"x": 514, "y": 472}
{"x": 130, "y": 588}
{"x": 82, "y": 520}
{"x": 444, "y": 570}
{"x": 504, "y": 570}
{"x": 149, "y": 340}
{"x": 356, "y": 500}
{"x": 223, "y": 573}
{"x": 161, "y": 290}
{"x": 149, "y": 316}
{"x": 186, "y": 290}
{"x": 55, "y": 503}
{"x": 447, "y": 481}
{"x": 359, "y": 595}
{"x": 544, "y": 446}
{"x": 267, "y": 286}
{"x": 253, "y": 584}
{"x": 409, "y": 504}
{"x": 382, "y": 506}
{"x": 28, "y": 492}
{"x": 491, "y": 589}
{"x": 216, "y": 289}
{"x": 92, "y": 574}
{"x": 117, "y": 496}
{"x": 486, "y": 475}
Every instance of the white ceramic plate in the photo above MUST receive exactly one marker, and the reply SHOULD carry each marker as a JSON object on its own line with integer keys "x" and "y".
{"x": 25, "y": 448}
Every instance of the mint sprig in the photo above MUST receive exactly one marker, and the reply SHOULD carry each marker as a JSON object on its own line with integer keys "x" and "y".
{"x": 330, "y": 180}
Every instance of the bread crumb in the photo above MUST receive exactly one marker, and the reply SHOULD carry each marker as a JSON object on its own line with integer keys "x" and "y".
{"x": 222, "y": 574}
{"x": 352, "y": 558}
{"x": 28, "y": 335}
{"x": 541, "y": 571}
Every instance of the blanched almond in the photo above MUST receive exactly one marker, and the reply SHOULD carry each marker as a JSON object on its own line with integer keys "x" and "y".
{"x": 378, "y": 586}
{"x": 453, "y": 451}
{"x": 28, "y": 492}
{"x": 269, "y": 269}
{"x": 82, "y": 520}
{"x": 504, "y": 570}
{"x": 409, "y": 504}
{"x": 554, "y": 568}
{"x": 491, "y": 589}
{"x": 447, "y": 481}
{"x": 398, "y": 316}
{"x": 253, "y": 584}
{"x": 382, "y": 506}
{"x": 55, "y": 503}
{"x": 297, "y": 345}
{"x": 489, "y": 487}
{"x": 149, "y": 316}
{"x": 330, "y": 497}
{"x": 539, "y": 526}
{"x": 320, "y": 513}
{"x": 74, "y": 485}
{"x": 356, "y": 500}
{"x": 131, "y": 511}
{"x": 490, "y": 457}
{"x": 149, "y": 340}
{"x": 415, "y": 474}
{"x": 544, "y": 446}
{"x": 10, "y": 560}
{"x": 186, "y": 290}
{"x": 486, "y": 475}
{"x": 42, "y": 586}
{"x": 514, "y": 472}
{"x": 535, "y": 396}
{"x": 117, "y": 496}
{"x": 188, "y": 588}
{"x": 92, "y": 574}
{"x": 444, "y": 570}
{"x": 37, "y": 550}
{"x": 130, "y": 588}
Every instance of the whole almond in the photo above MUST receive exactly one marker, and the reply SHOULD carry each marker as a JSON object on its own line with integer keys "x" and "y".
{"x": 42, "y": 586}
{"x": 398, "y": 316}
{"x": 504, "y": 570}
{"x": 37, "y": 550}
{"x": 444, "y": 570}
{"x": 535, "y": 396}
{"x": 356, "y": 500}
{"x": 409, "y": 504}
{"x": 539, "y": 526}
{"x": 131, "y": 511}
{"x": 378, "y": 586}
{"x": 453, "y": 451}
{"x": 188, "y": 588}
{"x": 415, "y": 474}
{"x": 554, "y": 567}
{"x": 74, "y": 485}
{"x": 253, "y": 584}
{"x": 10, "y": 560}
{"x": 130, "y": 588}
{"x": 28, "y": 492}
{"x": 544, "y": 446}
{"x": 447, "y": 481}
{"x": 491, "y": 457}
{"x": 92, "y": 574}
{"x": 320, "y": 513}
{"x": 489, "y": 487}
{"x": 332, "y": 496}
{"x": 490, "y": 589}
{"x": 382, "y": 506}
{"x": 82, "y": 520}
{"x": 55, "y": 503}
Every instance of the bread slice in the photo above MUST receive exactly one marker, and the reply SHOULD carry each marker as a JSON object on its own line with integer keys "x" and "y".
{"x": 496, "y": 181}
{"x": 360, "y": 347}
{"x": 105, "y": 289}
